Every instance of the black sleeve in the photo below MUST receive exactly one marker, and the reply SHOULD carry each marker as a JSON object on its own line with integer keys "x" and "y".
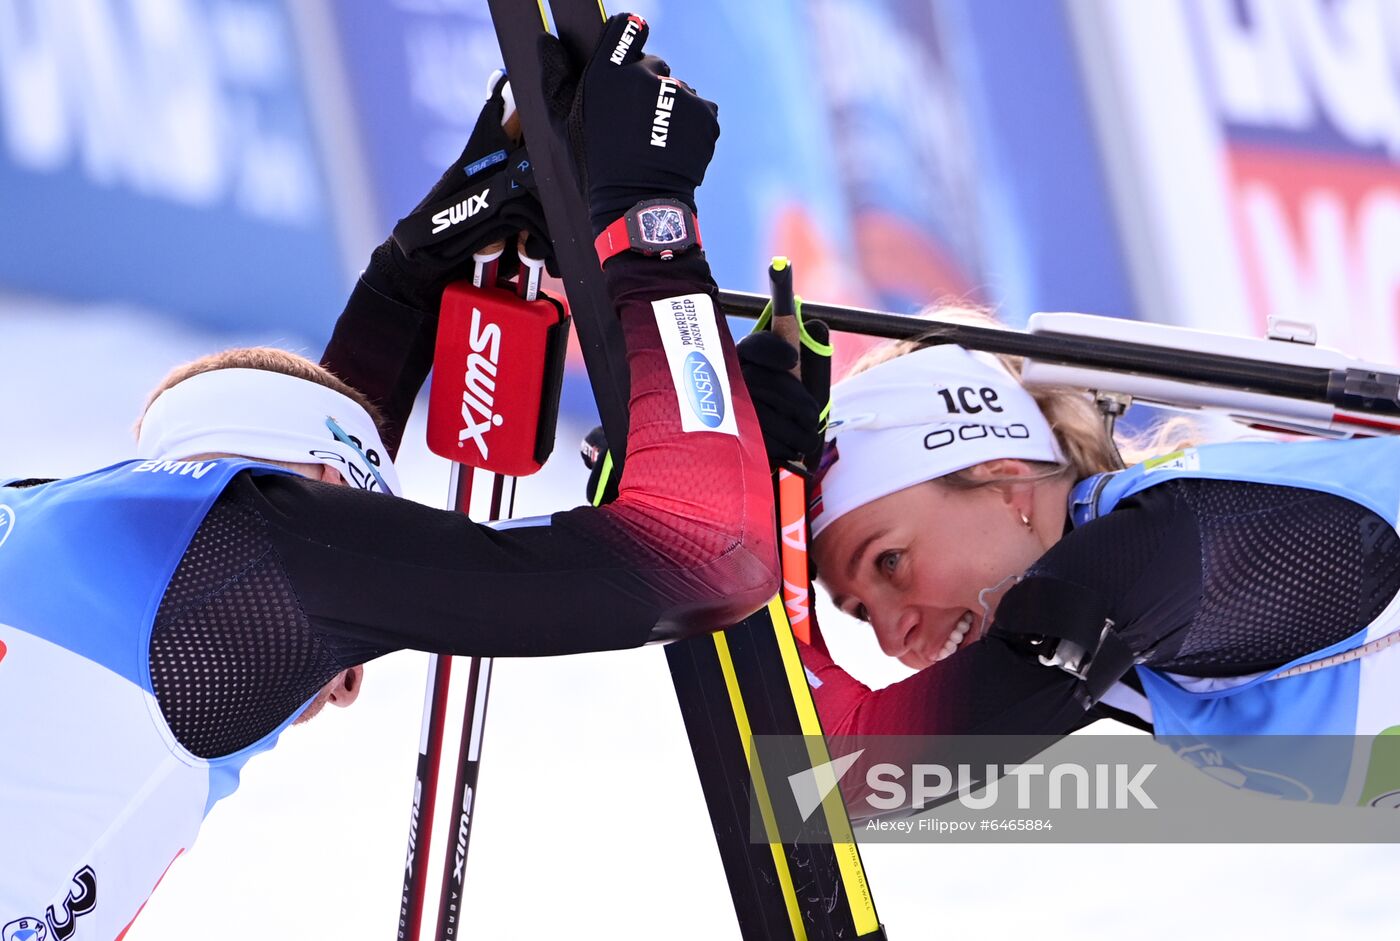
{"x": 289, "y": 581}
{"x": 1198, "y": 576}
{"x": 384, "y": 348}
{"x": 1224, "y": 578}
{"x": 1141, "y": 564}
{"x": 392, "y": 574}
{"x": 986, "y": 689}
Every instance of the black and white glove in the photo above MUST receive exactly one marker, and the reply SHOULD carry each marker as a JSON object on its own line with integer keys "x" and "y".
{"x": 789, "y": 409}
{"x": 624, "y": 151}
{"x": 486, "y": 197}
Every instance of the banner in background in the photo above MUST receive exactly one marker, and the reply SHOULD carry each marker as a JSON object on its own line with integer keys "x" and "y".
{"x": 163, "y": 154}
{"x": 1206, "y": 163}
{"x": 1255, "y": 149}
{"x": 902, "y": 147}
{"x": 417, "y": 76}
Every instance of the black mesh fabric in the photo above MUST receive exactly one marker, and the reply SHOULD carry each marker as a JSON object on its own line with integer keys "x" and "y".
{"x": 1285, "y": 571}
{"x": 232, "y": 653}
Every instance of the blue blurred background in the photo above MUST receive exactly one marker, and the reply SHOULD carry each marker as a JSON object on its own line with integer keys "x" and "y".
{"x": 230, "y": 163}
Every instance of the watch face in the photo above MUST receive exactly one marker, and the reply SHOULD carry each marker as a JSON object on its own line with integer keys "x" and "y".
{"x": 661, "y": 225}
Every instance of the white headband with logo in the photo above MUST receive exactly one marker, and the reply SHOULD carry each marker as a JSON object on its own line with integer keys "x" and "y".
{"x": 921, "y": 416}
{"x": 268, "y": 416}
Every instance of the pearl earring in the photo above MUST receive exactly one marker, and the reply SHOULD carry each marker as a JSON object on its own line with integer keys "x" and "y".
{"x": 1025, "y": 521}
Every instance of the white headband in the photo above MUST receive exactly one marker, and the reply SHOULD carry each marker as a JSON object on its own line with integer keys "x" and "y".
{"x": 921, "y": 416}
{"x": 268, "y": 416}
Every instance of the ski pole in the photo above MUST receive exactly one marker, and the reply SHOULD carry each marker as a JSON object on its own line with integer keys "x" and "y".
{"x": 431, "y": 742}
{"x": 485, "y": 275}
{"x": 498, "y": 370}
{"x": 791, "y": 487}
{"x": 464, "y": 788}
{"x": 1282, "y": 383}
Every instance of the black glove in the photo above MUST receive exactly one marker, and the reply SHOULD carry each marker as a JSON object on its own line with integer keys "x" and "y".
{"x": 789, "y": 410}
{"x": 487, "y": 196}
{"x": 636, "y": 132}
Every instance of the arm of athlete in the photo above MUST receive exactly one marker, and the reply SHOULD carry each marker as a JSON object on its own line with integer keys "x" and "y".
{"x": 688, "y": 545}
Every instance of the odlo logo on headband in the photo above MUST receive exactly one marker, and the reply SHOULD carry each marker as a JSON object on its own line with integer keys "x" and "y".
{"x": 942, "y": 437}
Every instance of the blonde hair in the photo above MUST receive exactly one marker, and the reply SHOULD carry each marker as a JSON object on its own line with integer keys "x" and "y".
{"x": 268, "y": 359}
{"x": 1073, "y": 417}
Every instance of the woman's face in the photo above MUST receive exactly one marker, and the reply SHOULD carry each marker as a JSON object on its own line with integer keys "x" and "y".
{"x": 912, "y": 563}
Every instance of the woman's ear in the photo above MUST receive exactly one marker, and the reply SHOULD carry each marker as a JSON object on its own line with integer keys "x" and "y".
{"x": 1011, "y": 479}
{"x": 1000, "y": 469}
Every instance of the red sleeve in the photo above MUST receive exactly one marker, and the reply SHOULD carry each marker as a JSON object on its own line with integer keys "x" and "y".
{"x": 703, "y": 499}
{"x": 691, "y": 538}
{"x": 987, "y": 688}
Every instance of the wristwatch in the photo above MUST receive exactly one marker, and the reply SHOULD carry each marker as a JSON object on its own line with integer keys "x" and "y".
{"x": 660, "y": 228}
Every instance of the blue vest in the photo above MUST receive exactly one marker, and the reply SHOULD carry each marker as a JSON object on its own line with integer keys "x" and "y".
{"x": 1351, "y": 688}
{"x": 93, "y": 785}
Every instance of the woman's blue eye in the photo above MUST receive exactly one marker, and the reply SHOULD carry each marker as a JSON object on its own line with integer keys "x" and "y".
{"x": 886, "y": 562}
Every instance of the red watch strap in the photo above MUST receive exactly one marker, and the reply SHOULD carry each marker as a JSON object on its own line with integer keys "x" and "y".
{"x": 614, "y": 240}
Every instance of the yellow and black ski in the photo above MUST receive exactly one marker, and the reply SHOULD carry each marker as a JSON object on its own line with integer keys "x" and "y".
{"x": 733, "y": 685}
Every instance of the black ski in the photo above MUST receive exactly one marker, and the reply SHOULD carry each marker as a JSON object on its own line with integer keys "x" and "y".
{"x": 733, "y": 685}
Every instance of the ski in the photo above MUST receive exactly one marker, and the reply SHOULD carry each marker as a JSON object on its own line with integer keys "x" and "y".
{"x": 732, "y": 685}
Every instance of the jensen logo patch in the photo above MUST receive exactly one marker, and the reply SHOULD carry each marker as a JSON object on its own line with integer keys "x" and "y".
{"x": 691, "y": 338}
{"x": 706, "y": 398}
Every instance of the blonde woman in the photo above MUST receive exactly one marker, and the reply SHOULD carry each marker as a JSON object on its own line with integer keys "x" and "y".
{"x": 989, "y": 540}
